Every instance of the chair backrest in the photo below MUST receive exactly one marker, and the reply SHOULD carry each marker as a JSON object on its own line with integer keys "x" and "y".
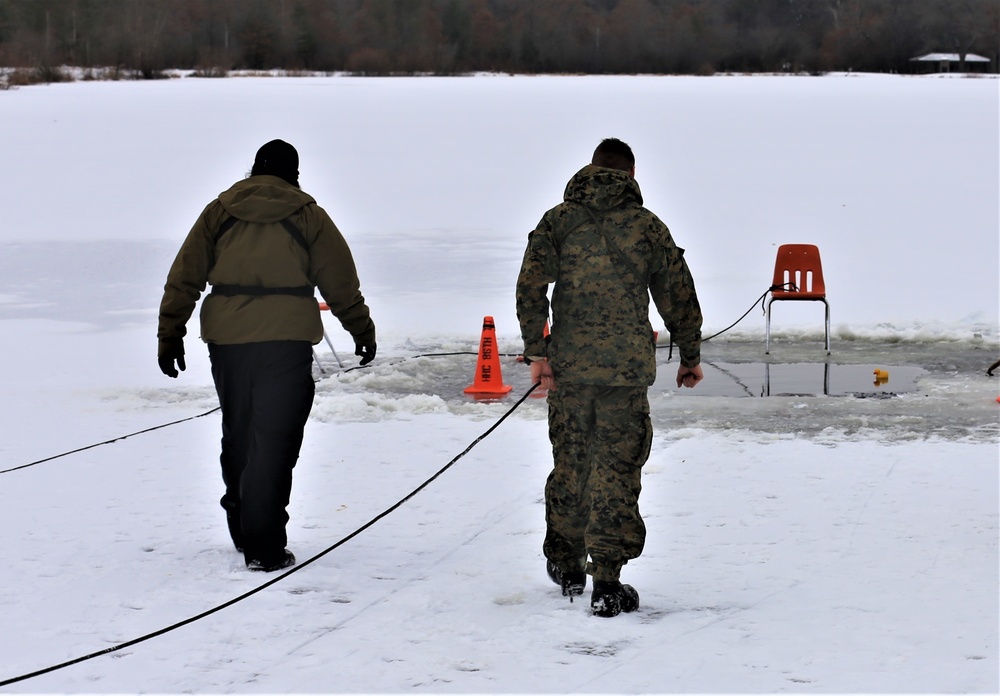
{"x": 798, "y": 264}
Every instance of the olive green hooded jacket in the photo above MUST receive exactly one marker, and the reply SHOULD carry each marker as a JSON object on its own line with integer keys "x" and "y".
{"x": 606, "y": 255}
{"x": 258, "y": 251}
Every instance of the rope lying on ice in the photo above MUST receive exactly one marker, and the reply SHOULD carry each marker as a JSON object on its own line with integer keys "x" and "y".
{"x": 294, "y": 569}
{"x": 759, "y": 300}
{"x": 300, "y": 566}
{"x": 200, "y": 415}
{"x": 108, "y": 442}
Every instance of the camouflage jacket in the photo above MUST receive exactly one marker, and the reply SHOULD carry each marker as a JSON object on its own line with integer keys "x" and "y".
{"x": 600, "y": 331}
{"x": 259, "y": 251}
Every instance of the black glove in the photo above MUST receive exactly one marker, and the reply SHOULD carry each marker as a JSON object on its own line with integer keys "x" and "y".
{"x": 171, "y": 349}
{"x": 366, "y": 351}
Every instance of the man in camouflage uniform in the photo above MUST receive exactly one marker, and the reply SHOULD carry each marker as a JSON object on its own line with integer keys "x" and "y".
{"x": 605, "y": 254}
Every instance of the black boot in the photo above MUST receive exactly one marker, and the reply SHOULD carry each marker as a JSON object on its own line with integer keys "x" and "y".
{"x": 572, "y": 583}
{"x": 610, "y": 598}
{"x": 287, "y": 559}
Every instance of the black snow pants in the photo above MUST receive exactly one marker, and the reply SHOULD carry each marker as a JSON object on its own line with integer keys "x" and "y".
{"x": 266, "y": 392}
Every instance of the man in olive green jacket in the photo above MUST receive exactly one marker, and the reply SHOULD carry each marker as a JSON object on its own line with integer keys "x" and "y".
{"x": 264, "y": 246}
{"x": 605, "y": 254}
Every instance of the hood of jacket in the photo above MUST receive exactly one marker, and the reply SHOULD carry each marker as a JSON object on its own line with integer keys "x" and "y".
{"x": 602, "y": 189}
{"x": 263, "y": 198}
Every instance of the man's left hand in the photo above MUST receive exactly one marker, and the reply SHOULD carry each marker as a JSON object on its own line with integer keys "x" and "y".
{"x": 366, "y": 351}
{"x": 689, "y": 376}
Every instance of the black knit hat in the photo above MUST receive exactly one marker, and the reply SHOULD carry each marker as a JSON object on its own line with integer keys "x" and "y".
{"x": 277, "y": 158}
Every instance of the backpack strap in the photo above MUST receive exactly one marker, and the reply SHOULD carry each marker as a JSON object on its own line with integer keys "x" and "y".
{"x": 638, "y": 281}
{"x": 286, "y": 223}
{"x": 224, "y": 227}
{"x": 295, "y": 232}
{"x": 260, "y": 290}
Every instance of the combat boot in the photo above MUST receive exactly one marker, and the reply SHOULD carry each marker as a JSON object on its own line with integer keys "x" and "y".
{"x": 572, "y": 582}
{"x": 610, "y": 598}
{"x": 287, "y": 559}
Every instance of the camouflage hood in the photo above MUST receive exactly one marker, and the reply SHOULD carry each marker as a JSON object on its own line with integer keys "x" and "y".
{"x": 602, "y": 189}
{"x": 263, "y": 199}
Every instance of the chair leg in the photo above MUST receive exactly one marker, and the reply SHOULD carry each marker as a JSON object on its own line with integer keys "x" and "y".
{"x": 318, "y": 363}
{"x": 332, "y": 349}
{"x": 767, "y": 328}
{"x": 826, "y": 305}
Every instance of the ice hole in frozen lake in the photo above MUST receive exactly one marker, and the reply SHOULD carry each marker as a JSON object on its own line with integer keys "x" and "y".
{"x": 760, "y": 379}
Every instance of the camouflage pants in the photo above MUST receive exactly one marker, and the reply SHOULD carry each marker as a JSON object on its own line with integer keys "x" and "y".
{"x": 601, "y": 438}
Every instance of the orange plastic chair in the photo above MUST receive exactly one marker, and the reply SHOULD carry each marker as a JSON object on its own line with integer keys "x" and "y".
{"x": 798, "y": 275}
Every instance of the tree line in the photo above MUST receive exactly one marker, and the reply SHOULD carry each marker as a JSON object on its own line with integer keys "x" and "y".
{"x": 382, "y": 37}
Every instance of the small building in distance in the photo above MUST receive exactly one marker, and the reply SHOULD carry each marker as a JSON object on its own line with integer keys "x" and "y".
{"x": 951, "y": 62}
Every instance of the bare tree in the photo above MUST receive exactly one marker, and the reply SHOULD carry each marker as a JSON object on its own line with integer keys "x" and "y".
{"x": 959, "y": 26}
{"x": 446, "y": 36}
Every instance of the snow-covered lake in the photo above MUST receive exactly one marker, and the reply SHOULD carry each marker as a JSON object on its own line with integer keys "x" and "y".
{"x": 809, "y": 531}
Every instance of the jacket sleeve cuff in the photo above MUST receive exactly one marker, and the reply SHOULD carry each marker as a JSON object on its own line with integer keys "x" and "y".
{"x": 535, "y": 350}
{"x": 366, "y": 337}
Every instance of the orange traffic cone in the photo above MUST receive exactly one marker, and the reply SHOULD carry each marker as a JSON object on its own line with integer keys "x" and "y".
{"x": 488, "y": 378}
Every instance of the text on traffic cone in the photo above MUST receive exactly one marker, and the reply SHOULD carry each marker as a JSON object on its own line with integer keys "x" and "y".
{"x": 488, "y": 378}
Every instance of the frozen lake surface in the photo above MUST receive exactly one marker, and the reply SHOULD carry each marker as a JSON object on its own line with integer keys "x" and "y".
{"x": 836, "y": 536}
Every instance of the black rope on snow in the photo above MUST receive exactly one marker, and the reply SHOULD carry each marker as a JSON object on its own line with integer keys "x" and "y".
{"x": 428, "y": 355}
{"x": 759, "y": 300}
{"x": 206, "y": 413}
{"x": 294, "y": 569}
{"x": 358, "y": 531}
{"x": 108, "y": 442}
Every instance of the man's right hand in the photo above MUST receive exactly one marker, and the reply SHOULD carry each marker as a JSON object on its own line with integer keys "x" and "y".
{"x": 541, "y": 371}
